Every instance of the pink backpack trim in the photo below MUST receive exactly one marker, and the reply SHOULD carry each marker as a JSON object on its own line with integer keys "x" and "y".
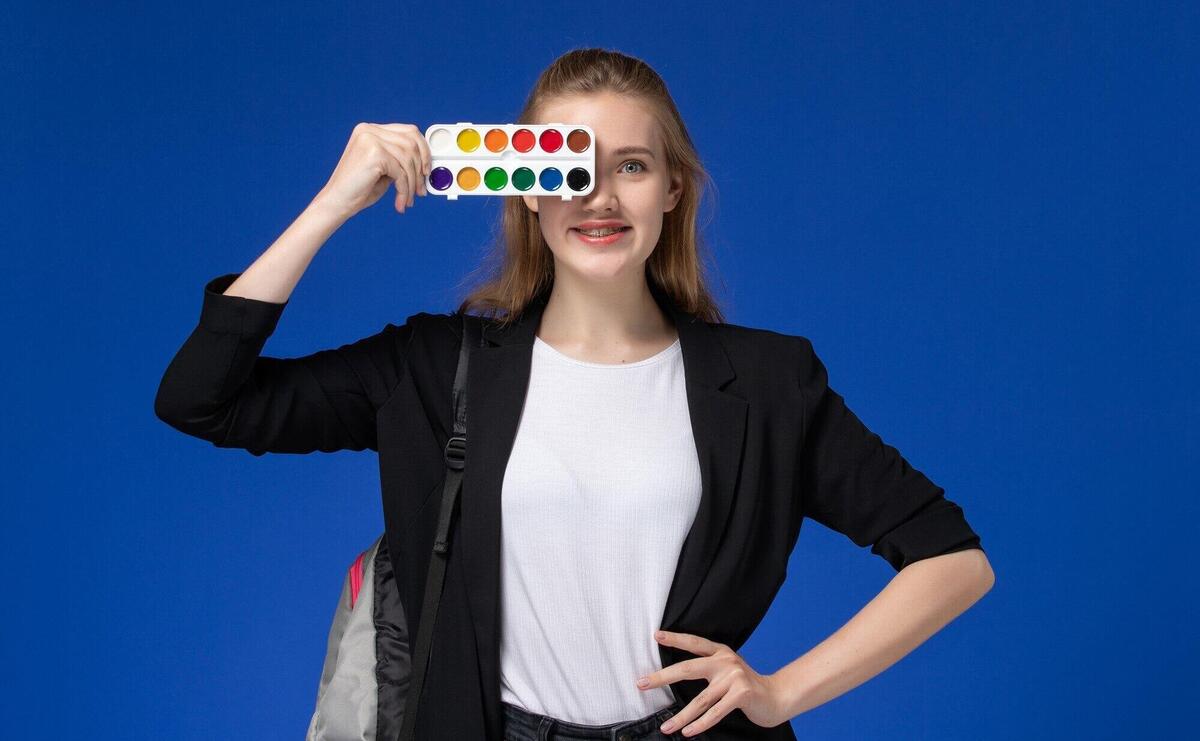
{"x": 356, "y": 578}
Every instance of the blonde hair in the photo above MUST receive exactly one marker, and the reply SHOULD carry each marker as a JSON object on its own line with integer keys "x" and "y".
{"x": 525, "y": 262}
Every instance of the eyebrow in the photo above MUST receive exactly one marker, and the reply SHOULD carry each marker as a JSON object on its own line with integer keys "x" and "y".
{"x": 633, "y": 150}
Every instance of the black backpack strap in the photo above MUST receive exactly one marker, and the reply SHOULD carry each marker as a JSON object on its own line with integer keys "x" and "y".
{"x": 455, "y": 455}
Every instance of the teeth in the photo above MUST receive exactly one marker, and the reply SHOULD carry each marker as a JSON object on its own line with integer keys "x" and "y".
{"x": 600, "y": 232}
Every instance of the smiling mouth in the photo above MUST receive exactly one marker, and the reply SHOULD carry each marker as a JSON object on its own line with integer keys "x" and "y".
{"x": 600, "y": 237}
{"x": 600, "y": 233}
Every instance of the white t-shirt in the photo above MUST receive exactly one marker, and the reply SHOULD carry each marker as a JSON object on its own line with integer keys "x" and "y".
{"x": 600, "y": 490}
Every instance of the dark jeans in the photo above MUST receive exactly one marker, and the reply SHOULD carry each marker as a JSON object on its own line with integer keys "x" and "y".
{"x": 522, "y": 725}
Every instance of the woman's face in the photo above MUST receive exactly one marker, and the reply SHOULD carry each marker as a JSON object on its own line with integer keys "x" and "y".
{"x": 632, "y": 189}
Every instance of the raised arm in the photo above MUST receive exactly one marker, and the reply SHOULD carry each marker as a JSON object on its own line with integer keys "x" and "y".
{"x": 219, "y": 388}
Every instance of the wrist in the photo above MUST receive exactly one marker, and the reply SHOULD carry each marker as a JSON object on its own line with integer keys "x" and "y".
{"x": 792, "y": 688}
{"x": 328, "y": 211}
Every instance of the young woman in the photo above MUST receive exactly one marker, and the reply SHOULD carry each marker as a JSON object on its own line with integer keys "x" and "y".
{"x": 635, "y": 463}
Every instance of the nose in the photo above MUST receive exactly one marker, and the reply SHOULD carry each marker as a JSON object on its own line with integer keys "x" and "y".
{"x": 602, "y": 197}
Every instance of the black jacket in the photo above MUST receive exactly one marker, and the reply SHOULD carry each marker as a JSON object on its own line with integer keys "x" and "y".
{"x": 776, "y": 444}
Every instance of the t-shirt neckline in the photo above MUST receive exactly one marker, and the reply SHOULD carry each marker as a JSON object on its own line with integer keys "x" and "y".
{"x": 659, "y": 356}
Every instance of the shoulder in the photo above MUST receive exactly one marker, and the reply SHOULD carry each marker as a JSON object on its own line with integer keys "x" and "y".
{"x": 436, "y": 323}
{"x": 768, "y": 350}
{"x": 439, "y": 334}
{"x": 433, "y": 331}
{"x": 778, "y": 370}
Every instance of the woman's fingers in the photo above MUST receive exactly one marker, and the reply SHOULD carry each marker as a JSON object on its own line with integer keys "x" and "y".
{"x": 400, "y": 173}
{"x": 412, "y": 141}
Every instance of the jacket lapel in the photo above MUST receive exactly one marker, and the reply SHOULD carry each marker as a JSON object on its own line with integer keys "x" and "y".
{"x": 497, "y": 381}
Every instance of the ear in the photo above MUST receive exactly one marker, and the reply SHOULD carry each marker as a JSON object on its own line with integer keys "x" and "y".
{"x": 674, "y": 192}
{"x": 531, "y": 203}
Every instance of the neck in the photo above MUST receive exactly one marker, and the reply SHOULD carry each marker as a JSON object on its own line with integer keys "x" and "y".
{"x": 589, "y": 314}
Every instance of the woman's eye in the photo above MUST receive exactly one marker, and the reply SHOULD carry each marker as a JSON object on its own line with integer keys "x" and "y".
{"x": 634, "y": 162}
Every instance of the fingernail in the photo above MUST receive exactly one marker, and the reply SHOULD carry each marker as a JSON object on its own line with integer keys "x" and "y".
{"x": 644, "y": 681}
{"x": 665, "y": 727}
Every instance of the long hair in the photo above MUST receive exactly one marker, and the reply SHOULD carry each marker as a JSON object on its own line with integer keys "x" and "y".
{"x": 522, "y": 263}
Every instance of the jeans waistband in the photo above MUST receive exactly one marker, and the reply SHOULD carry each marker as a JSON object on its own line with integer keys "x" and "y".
{"x": 537, "y": 727}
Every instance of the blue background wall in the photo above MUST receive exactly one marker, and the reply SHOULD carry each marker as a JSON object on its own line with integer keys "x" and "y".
{"x": 1011, "y": 190}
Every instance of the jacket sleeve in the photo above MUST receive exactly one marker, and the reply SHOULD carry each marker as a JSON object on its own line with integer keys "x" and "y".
{"x": 856, "y": 484}
{"x": 219, "y": 388}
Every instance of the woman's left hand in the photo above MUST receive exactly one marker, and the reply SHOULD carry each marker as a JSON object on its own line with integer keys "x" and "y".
{"x": 731, "y": 684}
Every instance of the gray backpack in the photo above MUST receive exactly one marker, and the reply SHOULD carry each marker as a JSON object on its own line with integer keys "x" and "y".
{"x": 366, "y": 677}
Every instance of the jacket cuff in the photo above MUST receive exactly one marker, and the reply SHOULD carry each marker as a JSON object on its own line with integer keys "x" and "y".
{"x": 237, "y": 314}
{"x": 939, "y": 529}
